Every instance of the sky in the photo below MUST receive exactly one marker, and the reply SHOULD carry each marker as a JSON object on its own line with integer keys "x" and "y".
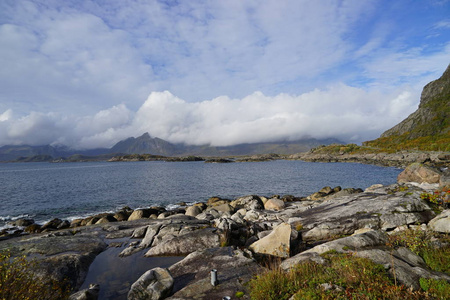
{"x": 89, "y": 73}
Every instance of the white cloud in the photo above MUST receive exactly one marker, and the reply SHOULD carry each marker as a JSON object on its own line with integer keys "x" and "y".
{"x": 340, "y": 111}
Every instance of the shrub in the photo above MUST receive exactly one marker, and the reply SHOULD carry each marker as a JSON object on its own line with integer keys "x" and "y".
{"x": 17, "y": 281}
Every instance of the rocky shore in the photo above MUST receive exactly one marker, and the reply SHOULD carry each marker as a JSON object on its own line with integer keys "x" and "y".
{"x": 397, "y": 159}
{"x": 234, "y": 236}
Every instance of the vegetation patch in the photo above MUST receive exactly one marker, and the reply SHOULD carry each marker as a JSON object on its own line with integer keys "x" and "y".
{"x": 344, "y": 276}
{"x": 17, "y": 281}
{"x": 434, "y": 248}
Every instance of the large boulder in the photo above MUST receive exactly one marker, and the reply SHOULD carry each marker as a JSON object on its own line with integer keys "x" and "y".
{"x": 277, "y": 243}
{"x": 419, "y": 173}
{"x": 154, "y": 284}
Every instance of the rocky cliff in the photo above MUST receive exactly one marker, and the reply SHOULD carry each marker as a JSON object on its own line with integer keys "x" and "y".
{"x": 428, "y": 128}
{"x": 432, "y": 116}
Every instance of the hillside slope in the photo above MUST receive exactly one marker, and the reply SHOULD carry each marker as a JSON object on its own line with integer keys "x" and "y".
{"x": 428, "y": 128}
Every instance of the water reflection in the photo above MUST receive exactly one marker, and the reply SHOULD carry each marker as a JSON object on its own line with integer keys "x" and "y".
{"x": 116, "y": 274}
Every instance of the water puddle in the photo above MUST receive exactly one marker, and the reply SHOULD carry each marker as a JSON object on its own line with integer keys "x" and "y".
{"x": 115, "y": 274}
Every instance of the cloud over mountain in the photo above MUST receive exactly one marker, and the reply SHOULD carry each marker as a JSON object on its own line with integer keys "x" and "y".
{"x": 340, "y": 111}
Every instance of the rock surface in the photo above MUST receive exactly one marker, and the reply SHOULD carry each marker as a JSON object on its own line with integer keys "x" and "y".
{"x": 277, "y": 243}
{"x": 419, "y": 173}
{"x": 155, "y": 284}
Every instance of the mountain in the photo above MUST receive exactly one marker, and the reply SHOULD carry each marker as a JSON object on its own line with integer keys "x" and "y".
{"x": 145, "y": 144}
{"x": 46, "y": 152}
{"x": 156, "y": 146}
{"x": 428, "y": 128}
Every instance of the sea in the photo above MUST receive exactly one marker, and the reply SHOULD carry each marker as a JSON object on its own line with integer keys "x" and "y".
{"x": 43, "y": 191}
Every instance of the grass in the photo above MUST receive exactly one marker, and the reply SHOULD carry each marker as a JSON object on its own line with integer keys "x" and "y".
{"x": 344, "y": 276}
{"x": 420, "y": 242}
{"x": 18, "y": 282}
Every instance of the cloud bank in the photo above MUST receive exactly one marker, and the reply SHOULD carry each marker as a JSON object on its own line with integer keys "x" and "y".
{"x": 341, "y": 111}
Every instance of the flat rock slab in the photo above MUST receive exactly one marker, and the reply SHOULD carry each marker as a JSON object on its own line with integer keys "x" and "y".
{"x": 344, "y": 215}
{"x": 192, "y": 275}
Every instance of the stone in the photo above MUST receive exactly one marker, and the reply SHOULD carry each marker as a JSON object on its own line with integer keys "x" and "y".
{"x": 276, "y": 243}
{"x": 193, "y": 211}
{"x": 419, "y": 173}
{"x": 274, "y": 204}
{"x": 154, "y": 284}
{"x": 187, "y": 243}
{"x": 290, "y": 263}
{"x": 21, "y": 222}
{"x": 224, "y": 208}
{"x": 326, "y": 190}
{"x": 441, "y": 223}
{"x": 213, "y": 201}
{"x": 53, "y": 224}
{"x": 251, "y": 202}
{"x": 192, "y": 275}
{"x": 138, "y": 214}
{"x": 344, "y": 215}
{"x": 87, "y": 294}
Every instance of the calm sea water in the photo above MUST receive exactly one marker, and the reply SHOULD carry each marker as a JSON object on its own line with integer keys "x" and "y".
{"x": 44, "y": 191}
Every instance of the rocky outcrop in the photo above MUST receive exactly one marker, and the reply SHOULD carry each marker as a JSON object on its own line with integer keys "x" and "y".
{"x": 398, "y": 159}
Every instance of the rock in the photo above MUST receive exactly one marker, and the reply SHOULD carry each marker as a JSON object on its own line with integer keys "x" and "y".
{"x": 274, "y": 204}
{"x": 326, "y": 190}
{"x": 213, "y": 201}
{"x": 407, "y": 266}
{"x": 187, "y": 243}
{"x": 316, "y": 196}
{"x": 441, "y": 223}
{"x": 154, "y": 284}
{"x": 106, "y": 219}
{"x": 139, "y": 214}
{"x": 87, "y": 294}
{"x": 290, "y": 263}
{"x": 193, "y": 211}
{"x": 33, "y": 228}
{"x": 419, "y": 173}
{"x": 224, "y": 208}
{"x": 53, "y": 224}
{"x": 21, "y": 222}
{"x": 64, "y": 224}
{"x": 251, "y": 202}
{"x": 344, "y": 215}
{"x": 276, "y": 243}
{"x": 192, "y": 279}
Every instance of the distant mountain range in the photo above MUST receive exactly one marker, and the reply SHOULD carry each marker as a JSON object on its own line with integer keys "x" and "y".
{"x": 145, "y": 144}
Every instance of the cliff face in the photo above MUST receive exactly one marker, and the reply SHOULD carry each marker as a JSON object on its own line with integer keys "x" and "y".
{"x": 432, "y": 116}
{"x": 428, "y": 128}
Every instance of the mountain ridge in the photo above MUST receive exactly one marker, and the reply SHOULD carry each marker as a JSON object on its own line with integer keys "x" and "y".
{"x": 145, "y": 144}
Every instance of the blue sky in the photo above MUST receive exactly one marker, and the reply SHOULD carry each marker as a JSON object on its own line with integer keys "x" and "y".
{"x": 90, "y": 73}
